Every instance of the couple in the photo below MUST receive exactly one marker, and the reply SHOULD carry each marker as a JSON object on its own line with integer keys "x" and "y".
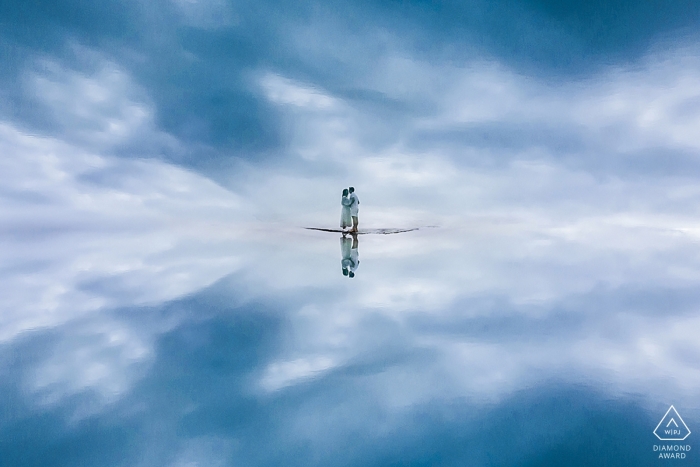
{"x": 350, "y": 209}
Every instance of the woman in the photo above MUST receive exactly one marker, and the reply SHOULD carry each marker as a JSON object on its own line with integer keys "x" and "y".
{"x": 345, "y": 216}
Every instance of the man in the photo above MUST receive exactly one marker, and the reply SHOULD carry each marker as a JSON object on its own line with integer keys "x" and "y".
{"x": 354, "y": 208}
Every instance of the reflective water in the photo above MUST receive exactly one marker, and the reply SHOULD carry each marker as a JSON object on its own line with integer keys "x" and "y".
{"x": 174, "y": 329}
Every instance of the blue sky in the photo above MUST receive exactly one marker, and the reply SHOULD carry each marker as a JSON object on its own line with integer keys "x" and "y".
{"x": 193, "y": 60}
{"x": 160, "y": 158}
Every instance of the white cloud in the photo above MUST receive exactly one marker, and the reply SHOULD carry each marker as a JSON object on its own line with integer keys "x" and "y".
{"x": 281, "y": 90}
{"x": 100, "y": 108}
{"x": 529, "y": 227}
{"x": 281, "y": 374}
{"x": 103, "y": 357}
{"x": 90, "y": 232}
{"x": 153, "y": 231}
{"x": 84, "y": 232}
{"x": 621, "y": 110}
{"x": 206, "y": 14}
{"x": 204, "y": 452}
{"x": 75, "y": 247}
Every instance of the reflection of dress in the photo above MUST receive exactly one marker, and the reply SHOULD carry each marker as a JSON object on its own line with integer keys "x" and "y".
{"x": 346, "y": 252}
{"x": 345, "y": 218}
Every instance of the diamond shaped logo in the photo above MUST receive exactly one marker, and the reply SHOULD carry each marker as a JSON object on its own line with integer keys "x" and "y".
{"x": 672, "y": 427}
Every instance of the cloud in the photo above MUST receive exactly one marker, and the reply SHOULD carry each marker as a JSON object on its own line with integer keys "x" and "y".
{"x": 281, "y": 374}
{"x": 101, "y": 358}
{"x": 285, "y": 91}
{"x": 99, "y": 107}
{"x": 87, "y": 232}
{"x": 532, "y": 225}
{"x": 522, "y": 224}
{"x": 77, "y": 219}
{"x": 203, "y": 451}
{"x": 206, "y": 14}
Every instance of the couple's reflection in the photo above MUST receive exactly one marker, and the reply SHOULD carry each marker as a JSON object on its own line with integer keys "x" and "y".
{"x": 351, "y": 257}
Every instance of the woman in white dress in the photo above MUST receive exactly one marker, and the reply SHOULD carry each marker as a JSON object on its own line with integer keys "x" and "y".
{"x": 345, "y": 215}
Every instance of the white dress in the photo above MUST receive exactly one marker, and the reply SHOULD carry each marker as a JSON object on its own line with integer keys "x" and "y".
{"x": 345, "y": 217}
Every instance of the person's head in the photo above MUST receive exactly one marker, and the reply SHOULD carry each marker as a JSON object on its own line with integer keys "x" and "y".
{"x": 345, "y": 192}
{"x": 345, "y": 272}
{"x": 352, "y": 189}
{"x": 351, "y": 274}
